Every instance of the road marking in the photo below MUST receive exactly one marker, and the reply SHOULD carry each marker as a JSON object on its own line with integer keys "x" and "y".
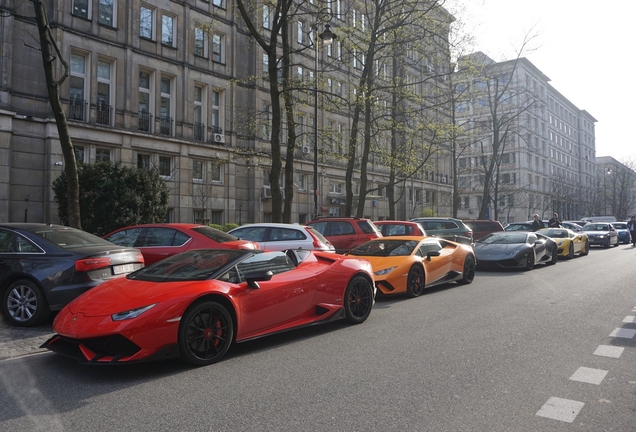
{"x": 630, "y": 319}
{"x": 609, "y": 351}
{"x": 560, "y": 409}
{"x": 588, "y": 375}
{"x": 623, "y": 333}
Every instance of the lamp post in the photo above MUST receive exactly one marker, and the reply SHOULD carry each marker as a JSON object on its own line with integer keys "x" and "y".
{"x": 327, "y": 38}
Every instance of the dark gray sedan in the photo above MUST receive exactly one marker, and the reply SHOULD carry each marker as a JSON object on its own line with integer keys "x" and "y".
{"x": 515, "y": 249}
{"x": 601, "y": 234}
{"x": 43, "y": 267}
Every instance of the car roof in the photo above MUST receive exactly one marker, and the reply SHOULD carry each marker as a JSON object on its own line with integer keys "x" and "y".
{"x": 271, "y": 225}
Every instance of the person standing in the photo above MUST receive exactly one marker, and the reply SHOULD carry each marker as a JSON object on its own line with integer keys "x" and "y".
{"x": 555, "y": 222}
{"x": 536, "y": 223}
{"x": 631, "y": 225}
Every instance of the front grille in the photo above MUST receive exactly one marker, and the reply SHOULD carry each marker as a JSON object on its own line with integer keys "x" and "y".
{"x": 114, "y": 345}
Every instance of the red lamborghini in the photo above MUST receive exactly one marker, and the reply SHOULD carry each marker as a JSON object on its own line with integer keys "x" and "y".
{"x": 194, "y": 305}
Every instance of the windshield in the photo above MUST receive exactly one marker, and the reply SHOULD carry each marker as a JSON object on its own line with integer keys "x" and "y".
{"x": 620, "y": 225}
{"x": 504, "y": 238}
{"x": 68, "y": 238}
{"x": 192, "y": 265}
{"x": 555, "y": 233}
{"x": 596, "y": 227}
{"x": 215, "y": 234}
{"x": 385, "y": 248}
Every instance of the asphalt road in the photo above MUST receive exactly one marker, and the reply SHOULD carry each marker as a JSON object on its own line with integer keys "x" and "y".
{"x": 546, "y": 350}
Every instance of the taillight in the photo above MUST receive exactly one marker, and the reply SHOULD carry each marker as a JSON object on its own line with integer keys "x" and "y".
{"x": 140, "y": 258}
{"x": 88, "y": 264}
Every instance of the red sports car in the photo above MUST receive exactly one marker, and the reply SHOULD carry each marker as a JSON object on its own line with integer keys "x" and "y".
{"x": 196, "y": 304}
{"x": 159, "y": 241}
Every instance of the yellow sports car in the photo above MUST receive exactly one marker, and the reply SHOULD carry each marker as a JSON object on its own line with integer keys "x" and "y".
{"x": 568, "y": 242}
{"x": 408, "y": 264}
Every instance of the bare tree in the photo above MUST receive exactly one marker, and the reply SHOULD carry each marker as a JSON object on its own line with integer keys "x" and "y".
{"x": 50, "y": 54}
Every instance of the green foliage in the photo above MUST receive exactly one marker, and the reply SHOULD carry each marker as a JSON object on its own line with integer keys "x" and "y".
{"x": 428, "y": 212}
{"x": 113, "y": 196}
{"x": 217, "y": 226}
{"x": 230, "y": 226}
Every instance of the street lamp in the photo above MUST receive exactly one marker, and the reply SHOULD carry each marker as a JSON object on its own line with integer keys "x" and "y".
{"x": 327, "y": 38}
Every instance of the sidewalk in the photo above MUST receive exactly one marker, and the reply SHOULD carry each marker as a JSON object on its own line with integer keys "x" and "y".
{"x": 20, "y": 341}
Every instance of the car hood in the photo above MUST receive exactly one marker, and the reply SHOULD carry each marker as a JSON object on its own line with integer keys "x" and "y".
{"x": 122, "y": 294}
{"x": 482, "y": 249}
{"x": 596, "y": 233}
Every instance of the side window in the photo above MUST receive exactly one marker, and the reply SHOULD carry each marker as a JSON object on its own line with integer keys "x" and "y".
{"x": 6, "y": 242}
{"x": 158, "y": 237}
{"x": 320, "y": 227}
{"x": 342, "y": 228}
{"x": 252, "y": 234}
{"x": 366, "y": 227}
{"x": 429, "y": 247}
{"x": 25, "y": 245}
{"x": 180, "y": 239}
{"x": 450, "y": 225}
{"x": 291, "y": 234}
{"x": 126, "y": 238}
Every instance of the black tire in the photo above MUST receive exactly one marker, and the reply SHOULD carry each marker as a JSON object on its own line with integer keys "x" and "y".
{"x": 571, "y": 251}
{"x": 415, "y": 282}
{"x": 617, "y": 242}
{"x": 358, "y": 300}
{"x": 608, "y": 244}
{"x": 587, "y": 248}
{"x": 24, "y": 304}
{"x": 205, "y": 333}
{"x": 530, "y": 261}
{"x": 555, "y": 256}
{"x": 468, "y": 271}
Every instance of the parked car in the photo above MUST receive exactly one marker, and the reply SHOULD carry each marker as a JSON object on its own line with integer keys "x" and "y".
{"x": 159, "y": 241}
{"x": 579, "y": 222}
{"x": 482, "y": 227}
{"x": 515, "y": 249}
{"x": 523, "y": 226}
{"x": 409, "y": 264}
{"x": 400, "y": 228}
{"x": 345, "y": 233}
{"x": 601, "y": 234}
{"x": 195, "y": 305}
{"x": 568, "y": 242}
{"x": 622, "y": 231}
{"x": 279, "y": 236}
{"x": 446, "y": 228}
{"x": 43, "y": 267}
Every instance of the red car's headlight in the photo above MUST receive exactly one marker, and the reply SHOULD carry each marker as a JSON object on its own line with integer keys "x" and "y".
{"x": 133, "y": 313}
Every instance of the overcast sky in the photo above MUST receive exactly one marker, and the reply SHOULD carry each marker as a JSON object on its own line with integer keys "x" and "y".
{"x": 585, "y": 47}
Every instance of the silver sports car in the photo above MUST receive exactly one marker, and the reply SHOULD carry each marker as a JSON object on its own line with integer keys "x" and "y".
{"x": 515, "y": 249}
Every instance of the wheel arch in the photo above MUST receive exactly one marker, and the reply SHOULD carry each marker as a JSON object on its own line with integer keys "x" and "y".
{"x": 4, "y": 286}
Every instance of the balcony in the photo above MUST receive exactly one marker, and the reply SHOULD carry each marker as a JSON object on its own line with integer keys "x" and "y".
{"x": 103, "y": 113}
{"x": 77, "y": 109}
{"x": 165, "y": 127}
{"x": 199, "y": 132}
{"x": 145, "y": 120}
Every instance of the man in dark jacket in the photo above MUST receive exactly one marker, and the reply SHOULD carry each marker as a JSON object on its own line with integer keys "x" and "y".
{"x": 631, "y": 225}
{"x": 536, "y": 223}
{"x": 555, "y": 222}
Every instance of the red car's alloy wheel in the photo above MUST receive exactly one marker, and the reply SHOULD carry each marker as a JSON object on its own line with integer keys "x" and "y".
{"x": 205, "y": 333}
{"x": 358, "y": 299}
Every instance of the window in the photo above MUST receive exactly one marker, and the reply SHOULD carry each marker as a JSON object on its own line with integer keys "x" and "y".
{"x": 81, "y": 8}
{"x": 145, "y": 102}
{"x": 216, "y": 112}
{"x": 466, "y": 202}
{"x": 165, "y": 166}
{"x": 143, "y": 161}
{"x": 167, "y": 30}
{"x": 265, "y": 121}
{"x": 77, "y": 99}
{"x": 218, "y": 3}
{"x": 267, "y": 19}
{"x": 199, "y": 126}
{"x": 103, "y": 92}
{"x": 217, "y": 48}
{"x": 335, "y": 188}
{"x": 300, "y": 182}
{"x": 301, "y": 33}
{"x": 166, "y": 106}
{"x": 197, "y": 171}
{"x": 102, "y": 155}
{"x": 265, "y": 66}
{"x": 106, "y": 12}
{"x": 199, "y": 42}
{"x": 80, "y": 154}
{"x": 146, "y": 23}
{"x": 215, "y": 172}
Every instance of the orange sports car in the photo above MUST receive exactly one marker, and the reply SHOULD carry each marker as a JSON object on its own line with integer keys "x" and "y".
{"x": 407, "y": 264}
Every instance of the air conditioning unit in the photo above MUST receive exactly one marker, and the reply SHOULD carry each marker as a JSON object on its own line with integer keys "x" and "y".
{"x": 305, "y": 150}
{"x": 219, "y": 138}
{"x": 444, "y": 179}
{"x": 266, "y": 192}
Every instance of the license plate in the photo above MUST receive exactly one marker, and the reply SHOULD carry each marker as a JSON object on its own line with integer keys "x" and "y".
{"x": 124, "y": 268}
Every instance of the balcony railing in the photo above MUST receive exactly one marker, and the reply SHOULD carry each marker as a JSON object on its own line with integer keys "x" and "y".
{"x": 166, "y": 126}
{"x": 103, "y": 114}
{"x": 77, "y": 109}
{"x": 145, "y": 120}
{"x": 199, "y": 132}
{"x": 216, "y": 129}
